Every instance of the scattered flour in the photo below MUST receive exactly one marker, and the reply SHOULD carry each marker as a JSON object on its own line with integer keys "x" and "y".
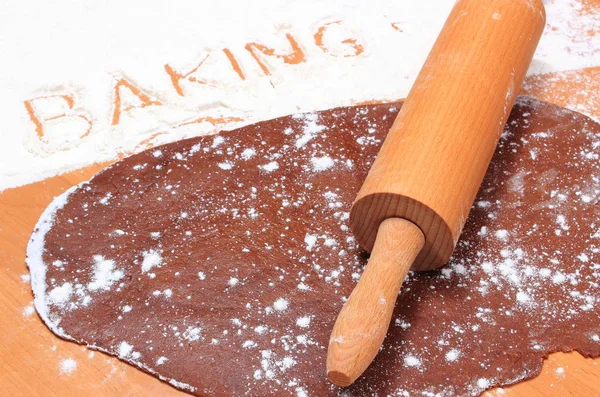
{"x": 281, "y": 304}
{"x": 161, "y": 360}
{"x": 559, "y": 278}
{"x": 249, "y": 344}
{"x": 151, "y": 259}
{"x": 261, "y": 329}
{"x": 270, "y": 167}
{"x": 303, "y": 322}
{"x": 125, "y": 349}
{"x": 321, "y": 163}
{"x": 300, "y": 392}
{"x": 311, "y": 129}
{"x": 61, "y": 295}
{"x": 105, "y": 274}
{"x": 501, "y": 234}
{"x": 522, "y": 297}
{"x": 247, "y": 154}
{"x": 311, "y": 241}
{"x": 412, "y": 361}
{"x": 193, "y": 334}
{"x": 67, "y": 366}
{"x": 28, "y": 311}
{"x": 452, "y": 355}
{"x": 226, "y": 165}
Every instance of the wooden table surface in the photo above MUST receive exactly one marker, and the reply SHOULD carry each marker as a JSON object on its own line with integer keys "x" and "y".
{"x": 30, "y": 355}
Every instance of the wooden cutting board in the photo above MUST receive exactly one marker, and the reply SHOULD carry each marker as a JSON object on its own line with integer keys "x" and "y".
{"x": 31, "y": 356}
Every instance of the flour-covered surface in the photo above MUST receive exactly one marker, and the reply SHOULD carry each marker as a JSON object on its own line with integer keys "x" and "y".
{"x": 577, "y": 90}
{"x": 220, "y": 263}
{"x": 90, "y": 82}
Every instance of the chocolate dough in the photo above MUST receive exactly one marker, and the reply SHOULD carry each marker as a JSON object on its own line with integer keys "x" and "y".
{"x": 220, "y": 263}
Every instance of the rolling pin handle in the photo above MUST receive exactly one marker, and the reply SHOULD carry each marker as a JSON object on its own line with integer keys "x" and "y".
{"x": 364, "y": 320}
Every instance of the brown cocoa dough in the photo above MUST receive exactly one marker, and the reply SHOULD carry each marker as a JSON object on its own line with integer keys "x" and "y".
{"x": 220, "y": 263}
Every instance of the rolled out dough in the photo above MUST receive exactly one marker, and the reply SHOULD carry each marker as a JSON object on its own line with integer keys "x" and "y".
{"x": 220, "y": 263}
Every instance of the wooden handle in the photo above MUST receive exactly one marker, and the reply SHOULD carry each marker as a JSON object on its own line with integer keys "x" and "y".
{"x": 364, "y": 320}
{"x": 433, "y": 160}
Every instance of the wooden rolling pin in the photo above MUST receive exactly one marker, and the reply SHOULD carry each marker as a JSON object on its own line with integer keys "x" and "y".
{"x": 415, "y": 200}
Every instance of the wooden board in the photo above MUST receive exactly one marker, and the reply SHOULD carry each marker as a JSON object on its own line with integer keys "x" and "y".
{"x": 31, "y": 356}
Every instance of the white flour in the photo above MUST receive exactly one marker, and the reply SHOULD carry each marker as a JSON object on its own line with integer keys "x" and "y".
{"x": 67, "y": 366}
{"x": 177, "y": 68}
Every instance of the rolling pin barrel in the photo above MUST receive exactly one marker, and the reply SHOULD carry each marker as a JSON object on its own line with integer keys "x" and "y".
{"x": 433, "y": 160}
{"x": 432, "y": 163}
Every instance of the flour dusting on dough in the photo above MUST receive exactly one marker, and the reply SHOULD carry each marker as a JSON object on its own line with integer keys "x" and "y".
{"x": 204, "y": 262}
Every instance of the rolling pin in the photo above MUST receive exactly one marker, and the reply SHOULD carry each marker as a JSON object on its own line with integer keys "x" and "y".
{"x": 411, "y": 208}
